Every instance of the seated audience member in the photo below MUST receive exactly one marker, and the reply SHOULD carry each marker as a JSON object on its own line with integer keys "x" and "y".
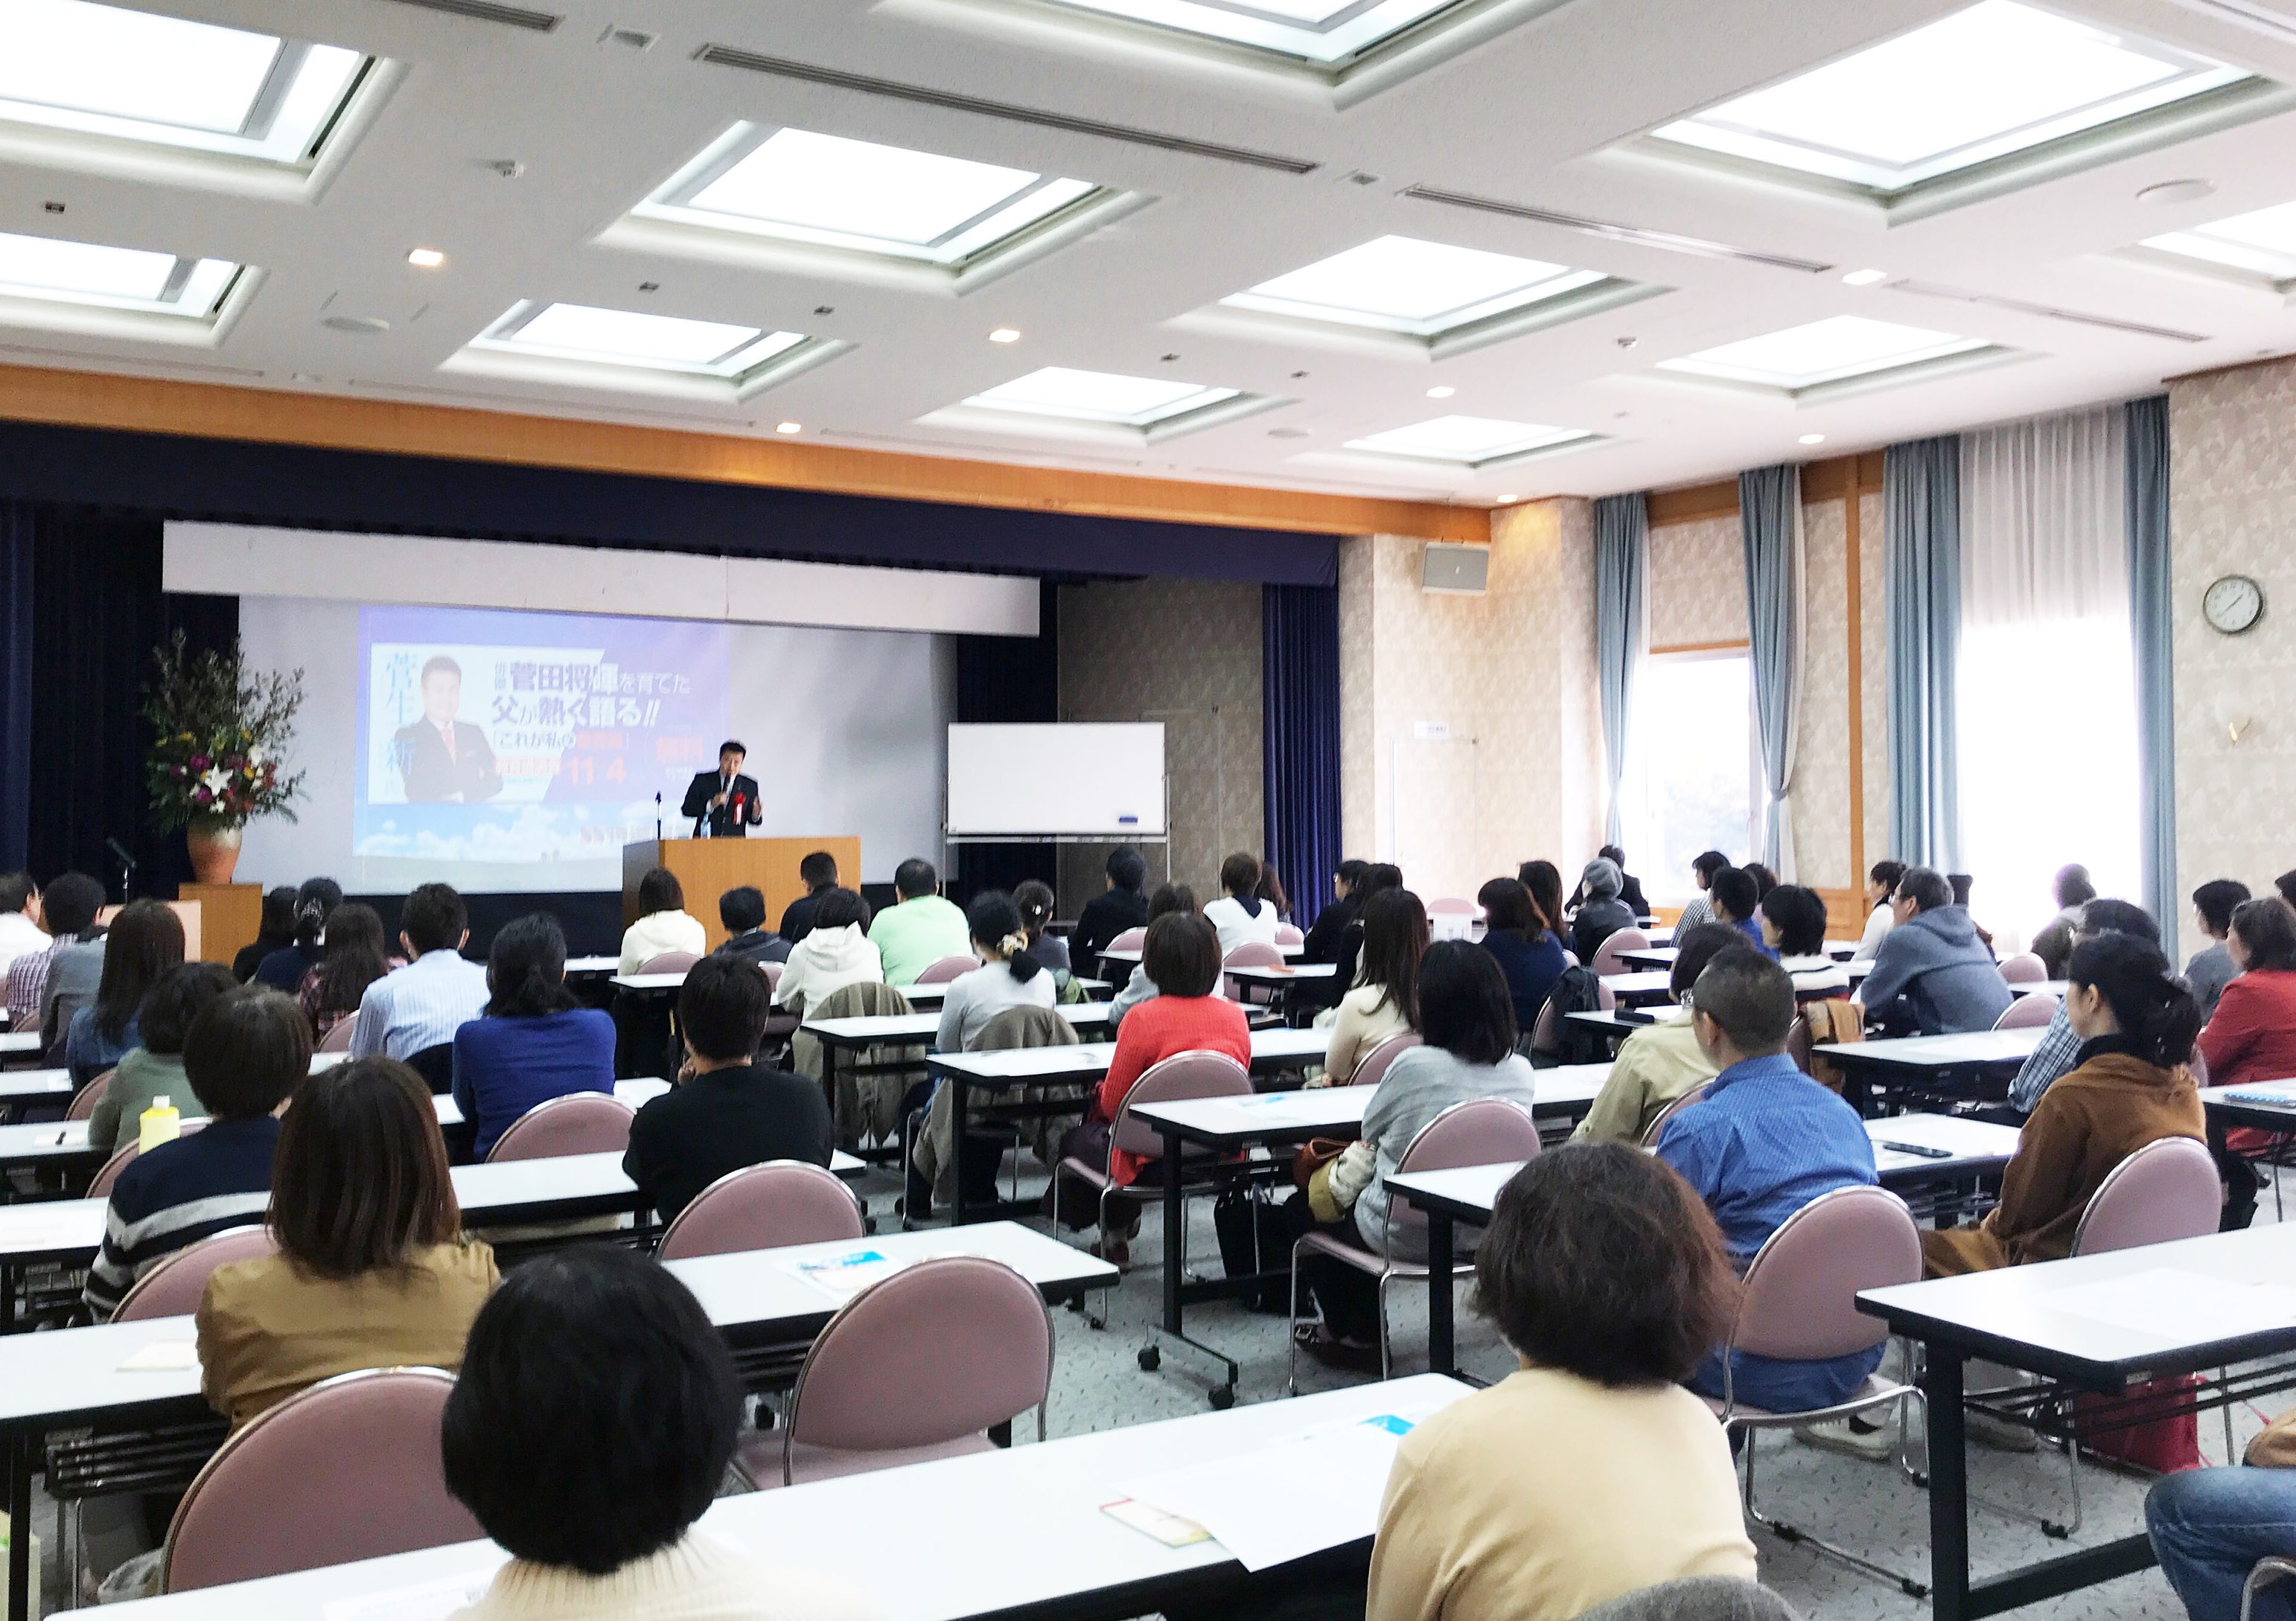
{"x": 2054, "y": 943}
{"x": 1139, "y": 988}
{"x": 1544, "y": 879}
{"x": 1009, "y": 976}
{"x": 727, "y": 1110}
{"x": 1122, "y": 906}
{"x": 1764, "y": 1142}
{"x": 69, "y": 905}
{"x": 1765, "y": 880}
{"x": 146, "y": 940}
{"x": 355, "y": 958}
{"x": 921, "y": 928}
{"x": 1589, "y": 1472}
{"x": 1384, "y": 1001}
{"x": 156, "y": 1068}
{"x": 1660, "y": 1061}
{"x": 2286, "y": 884}
{"x": 835, "y": 953}
{"x": 1881, "y": 888}
{"x": 2212, "y": 967}
{"x": 245, "y": 1054}
{"x": 2210, "y": 1527}
{"x": 1322, "y": 943}
{"x": 1630, "y": 888}
{"x": 1961, "y": 883}
{"x": 1735, "y": 899}
{"x": 1271, "y": 890}
{"x": 373, "y": 1270}
{"x": 1932, "y": 972}
{"x": 2253, "y": 1035}
{"x": 314, "y": 903}
{"x": 533, "y": 1041}
{"x": 664, "y": 925}
{"x": 419, "y": 1007}
{"x": 1703, "y": 867}
{"x": 1467, "y": 1023}
{"x": 1793, "y": 931}
{"x": 20, "y": 933}
{"x": 1324, "y": 994}
{"x": 742, "y": 911}
{"x": 1035, "y": 901}
{"x": 274, "y": 932}
{"x": 1240, "y": 914}
{"x": 819, "y": 871}
{"x": 2137, "y": 1024}
{"x": 1530, "y": 957}
{"x": 2061, "y": 1043}
{"x": 598, "y": 1513}
{"x": 1601, "y": 913}
{"x": 1186, "y": 1015}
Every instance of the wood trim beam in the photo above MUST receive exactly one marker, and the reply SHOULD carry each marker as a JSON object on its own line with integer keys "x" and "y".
{"x": 1739, "y": 645}
{"x": 220, "y": 411}
{"x": 1695, "y": 505}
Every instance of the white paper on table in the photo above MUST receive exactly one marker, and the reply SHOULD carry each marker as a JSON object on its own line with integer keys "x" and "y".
{"x": 2265, "y": 1091}
{"x": 163, "y": 1356}
{"x": 1295, "y": 1497}
{"x": 2173, "y": 1304}
{"x": 426, "y": 1601}
{"x": 848, "y": 1275}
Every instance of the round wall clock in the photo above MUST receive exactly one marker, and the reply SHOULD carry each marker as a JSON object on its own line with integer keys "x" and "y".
{"x": 2232, "y": 604}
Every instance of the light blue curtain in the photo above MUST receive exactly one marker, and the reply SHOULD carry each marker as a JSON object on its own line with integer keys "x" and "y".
{"x": 1921, "y": 501}
{"x": 1769, "y": 523}
{"x": 1622, "y": 561}
{"x": 2149, "y": 603}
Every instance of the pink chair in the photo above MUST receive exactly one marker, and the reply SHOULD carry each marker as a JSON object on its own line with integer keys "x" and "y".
{"x": 84, "y": 1104}
{"x": 1657, "y": 1127}
{"x": 1485, "y": 1130}
{"x": 668, "y": 962}
{"x": 173, "y": 1288}
{"x": 1373, "y": 1067}
{"x": 100, "y": 1186}
{"x": 1131, "y": 939}
{"x": 1288, "y": 934}
{"x": 1453, "y": 903}
{"x": 2168, "y": 1190}
{"x": 2028, "y": 1012}
{"x": 338, "y": 1038}
{"x": 772, "y": 973}
{"x": 1606, "y": 955}
{"x": 917, "y": 1366}
{"x": 947, "y": 968}
{"x": 1801, "y": 1302}
{"x": 348, "y": 1469}
{"x": 1797, "y": 1044}
{"x": 580, "y": 1123}
{"x": 2024, "y": 969}
{"x": 1251, "y": 954}
{"x": 764, "y": 1207}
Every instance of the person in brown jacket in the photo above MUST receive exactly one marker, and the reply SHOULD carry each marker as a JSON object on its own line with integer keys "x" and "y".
{"x": 2129, "y": 1088}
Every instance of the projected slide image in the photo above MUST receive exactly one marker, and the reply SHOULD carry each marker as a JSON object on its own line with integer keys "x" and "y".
{"x": 503, "y": 737}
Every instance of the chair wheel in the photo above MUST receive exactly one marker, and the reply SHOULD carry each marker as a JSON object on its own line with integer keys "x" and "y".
{"x": 1222, "y": 1397}
{"x": 1150, "y": 1359}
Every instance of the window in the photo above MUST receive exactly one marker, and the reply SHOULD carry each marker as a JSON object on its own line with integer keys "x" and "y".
{"x": 1469, "y": 441}
{"x": 1819, "y": 353}
{"x": 2260, "y": 245}
{"x": 50, "y": 271}
{"x": 1694, "y": 775}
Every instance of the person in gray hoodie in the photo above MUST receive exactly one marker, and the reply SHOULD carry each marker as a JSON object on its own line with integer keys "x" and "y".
{"x": 1603, "y": 913}
{"x": 1931, "y": 971}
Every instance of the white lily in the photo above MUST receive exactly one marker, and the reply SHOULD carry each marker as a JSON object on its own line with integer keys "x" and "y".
{"x": 216, "y": 779}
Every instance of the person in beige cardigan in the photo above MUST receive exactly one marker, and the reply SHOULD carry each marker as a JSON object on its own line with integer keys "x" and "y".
{"x": 1385, "y": 1000}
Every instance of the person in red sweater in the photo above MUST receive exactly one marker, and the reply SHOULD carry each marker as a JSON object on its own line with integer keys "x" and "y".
{"x": 2252, "y": 1037}
{"x": 1182, "y": 958}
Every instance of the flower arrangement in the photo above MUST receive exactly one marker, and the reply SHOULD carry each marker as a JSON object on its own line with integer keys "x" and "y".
{"x": 219, "y": 736}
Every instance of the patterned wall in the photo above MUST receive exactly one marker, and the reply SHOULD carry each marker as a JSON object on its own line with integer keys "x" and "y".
{"x": 1821, "y": 791}
{"x": 1697, "y": 584}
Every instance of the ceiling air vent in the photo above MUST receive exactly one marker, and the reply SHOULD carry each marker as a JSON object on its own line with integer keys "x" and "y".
{"x": 1667, "y": 241}
{"x": 2051, "y": 311}
{"x": 489, "y": 11}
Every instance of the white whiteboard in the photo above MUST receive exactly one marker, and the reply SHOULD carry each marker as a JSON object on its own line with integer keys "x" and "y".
{"x": 1081, "y": 778}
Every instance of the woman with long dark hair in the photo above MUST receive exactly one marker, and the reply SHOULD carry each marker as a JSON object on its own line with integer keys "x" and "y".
{"x": 535, "y": 1041}
{"x": 1544, "y": 879}
{"x": 145, "y": 941}
{"x": 1385, "y": 1000}
{"x": 355, "y": 959}
{"x": 1009, "y": 976}
{"x": 314, "y": 903}
{"x": 1527, "y": 953}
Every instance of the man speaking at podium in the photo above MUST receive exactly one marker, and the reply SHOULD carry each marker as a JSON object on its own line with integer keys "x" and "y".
{"x": 724, "y": 799}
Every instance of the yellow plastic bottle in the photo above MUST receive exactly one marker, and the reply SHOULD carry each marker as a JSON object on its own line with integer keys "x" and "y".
{"x": 161, "y": 1123}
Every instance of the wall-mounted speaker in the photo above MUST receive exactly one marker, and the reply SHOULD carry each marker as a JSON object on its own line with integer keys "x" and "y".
{"x": 1456, "y": 571}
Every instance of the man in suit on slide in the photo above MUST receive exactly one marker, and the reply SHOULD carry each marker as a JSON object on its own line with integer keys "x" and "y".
{"x": 442, "y": 758}
{"x": 724, "y": 801}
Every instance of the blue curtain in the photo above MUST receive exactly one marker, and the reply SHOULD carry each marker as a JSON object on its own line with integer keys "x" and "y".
{"x": 1621, "y": 562}
{"x": 2149, "y": 603}
{"x": 1921, "y": 497}
{"x": 15, "y": 684}
{"x": 1769, "y": 524}
{"x": 1300, "y": 707}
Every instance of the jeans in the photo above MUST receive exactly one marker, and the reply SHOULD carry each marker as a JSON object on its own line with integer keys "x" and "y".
{"x": 1778, "y": 1385}
{"x": 2209, "y": 1526}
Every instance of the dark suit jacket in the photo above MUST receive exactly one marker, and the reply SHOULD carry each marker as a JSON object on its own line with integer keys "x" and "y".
{"x": 1104, "y": 916}
{"x": 715, "y": 1123}
{"x": 722, "y": 822}
{"x": 431, "y": 776}
{"x": 797, "y": 917}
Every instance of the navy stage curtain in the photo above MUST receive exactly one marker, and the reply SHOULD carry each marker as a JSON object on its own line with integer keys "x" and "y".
{"x": 1009, "y": 681}
{"x": 1299, "y": 700}
{"x": 15, "y": 683}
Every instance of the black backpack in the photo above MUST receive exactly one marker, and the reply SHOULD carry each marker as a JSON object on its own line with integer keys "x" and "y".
{"x": 1576, "y": 992}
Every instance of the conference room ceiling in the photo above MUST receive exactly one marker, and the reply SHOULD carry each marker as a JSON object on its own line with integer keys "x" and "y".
{"x": 1138, "y": 199}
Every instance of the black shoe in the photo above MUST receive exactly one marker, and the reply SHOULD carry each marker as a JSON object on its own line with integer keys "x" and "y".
{"x": 1348, "y": 1356}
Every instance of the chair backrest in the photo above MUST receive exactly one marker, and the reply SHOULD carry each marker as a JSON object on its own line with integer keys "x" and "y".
{"x": 1453, "y": 903}
{"x": 1801, "y": 1295}
{"x": 338, "y": 1038}
{"x": 1288, "y": 934}
{"x": 764, "y": 1207}
{"x": 1184, "y": 1075}
{"x": 1025, "y": 1028}
{"x": 1482, "y": 1131}
{"x": 1606, "y": 955}
{"x": 668, "y": 962}
{"x": 580, "y": 1123}
{"x": 2165, "y": 1190}
{"x": 436, "y": 1065}
{"x": 2024, "y": 969}
{"x": 348, "y": 1469}
{"x": 1798, "y": 1043}
{"x": 173, "y": 1288}
{"x": 1547, "y": 1034}
{"x": 100, "y": 1186}
{"x": 1657, "y": 1127}
{"x": 1375, "y": 1062}
{"x": 89, "y": 1096}
{"x": 1249, "y": 953}
{"x": 1130, "y": 939}
{"x": 946, "y": 969}
{"x": 2026, "y": 1012}
{"x": 938, "y": 1351}
{"x": 772, "y": 973}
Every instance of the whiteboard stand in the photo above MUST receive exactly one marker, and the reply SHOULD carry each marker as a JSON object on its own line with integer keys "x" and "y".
{"x": 950, "y": 838}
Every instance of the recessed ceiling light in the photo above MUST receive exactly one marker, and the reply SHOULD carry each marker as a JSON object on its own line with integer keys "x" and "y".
{"x": 426, "y": 259}
{"x": 1470, "y": 441}
{"x": 2169, "y": 192}
{"x": 53, "y": 271}
{"x": 1994, "y": 79}
{"x": 789, "y": 427}
{"x": 1441, "y": 391}
{"x": 1420, "y": 288}
{"x": 1822, "y": 352}
{"x": 1504, "y": 496}
{"x": 2261, "y": 243}
{"x": 627, "y": 338}
{"x": 1005, "y": 334}
{"x": 1100, "y": 396}
{"x": 130, "y": 75}
{"x": 1866, "y": 278}
{"x": 1813, "y": 439}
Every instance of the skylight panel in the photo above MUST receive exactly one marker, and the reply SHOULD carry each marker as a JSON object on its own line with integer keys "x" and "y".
{"x": 1468, "y": 441}
{"x": 2262, "y": 243}
{"x": 1997, "y": 78}
{"x": 54, "y": 271}
{"x": 1402, "y": 284}
{"x": 1824, "y": 351}
{"x": 1324, "y": 33}
{"x": 1101, "y": 397}
{"x": 107, "y": 71}
{"x": 627, "y": 338}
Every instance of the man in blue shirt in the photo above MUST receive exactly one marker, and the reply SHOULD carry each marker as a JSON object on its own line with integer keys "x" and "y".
{"x": 1765, "y": 1141}
{"x": 1734, "y": 898}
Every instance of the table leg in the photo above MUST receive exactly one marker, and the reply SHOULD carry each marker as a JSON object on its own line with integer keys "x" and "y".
{"x": 959, "y": 1094}
{"x": 1441, "y": 1356}
{"x": 20, "y": 1527}
{"x": 9, "y": 1277}
{"x": 1173, "y": 1209}
{"x": 1942, "y": 1391}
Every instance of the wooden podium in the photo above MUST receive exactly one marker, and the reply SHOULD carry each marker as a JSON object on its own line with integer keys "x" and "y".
{"x": 706, "y": 868}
